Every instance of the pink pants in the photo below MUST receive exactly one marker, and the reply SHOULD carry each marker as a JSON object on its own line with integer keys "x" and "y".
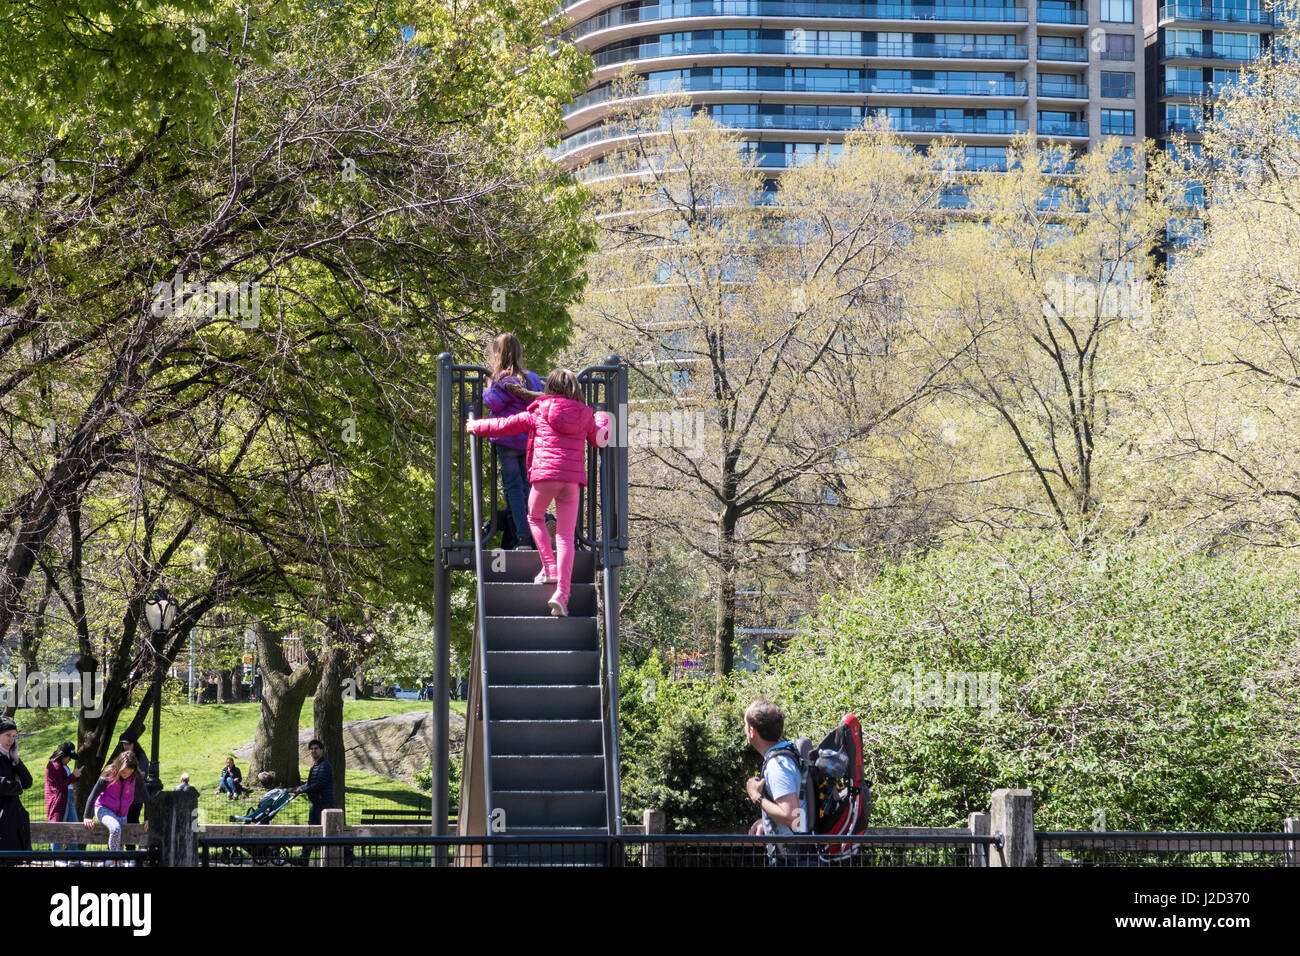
{"x": 565, "y": 496}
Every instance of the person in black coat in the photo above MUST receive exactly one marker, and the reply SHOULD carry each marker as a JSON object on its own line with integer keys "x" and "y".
{"x": 319, "y": 788}
{"x": 15, "y": 826}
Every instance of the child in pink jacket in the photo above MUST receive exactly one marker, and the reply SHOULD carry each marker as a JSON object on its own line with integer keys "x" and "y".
{"x": 559, "y": 425}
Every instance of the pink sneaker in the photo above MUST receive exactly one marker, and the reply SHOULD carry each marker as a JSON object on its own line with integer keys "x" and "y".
{"x": 544, "y": 578}
{"x": 559, "y": 605}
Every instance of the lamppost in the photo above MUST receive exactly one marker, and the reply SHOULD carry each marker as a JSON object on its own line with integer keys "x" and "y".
{"x": 160, "y": 613}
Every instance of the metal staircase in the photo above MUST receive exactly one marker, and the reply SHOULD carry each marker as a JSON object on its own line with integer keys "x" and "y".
{"x": 541, "y": 742}
{"x": 544, "y": 698}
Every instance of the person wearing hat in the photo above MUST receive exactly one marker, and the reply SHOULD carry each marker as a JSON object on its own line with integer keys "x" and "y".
{"x": 58, "y": 781}
{"x": 130, "y": 744}
{"x": 15, "y": 826}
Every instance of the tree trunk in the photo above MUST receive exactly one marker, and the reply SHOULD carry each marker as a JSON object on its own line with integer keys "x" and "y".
{"x": 327, "y": 713}
{"x": 87, "y": 664}
{"x": 724, "y": 626}
{"x": 275, "y": 745}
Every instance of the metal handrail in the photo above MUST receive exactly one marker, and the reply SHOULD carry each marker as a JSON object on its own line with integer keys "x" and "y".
{"x": 610, "y": 478}
{"x": 480, "y": 624}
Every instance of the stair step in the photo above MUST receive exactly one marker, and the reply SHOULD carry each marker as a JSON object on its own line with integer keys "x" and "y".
{"x": 519, "y": 738}
{"x": 514, "y": 599}
{"x": 548, "y": 772}
{"x": 548, "y": 808}
{"x": 522, "y": 566}
{"x": 543, "y": 667}
{"x": 541, "y": 634}
{"x": 544, "y": 701}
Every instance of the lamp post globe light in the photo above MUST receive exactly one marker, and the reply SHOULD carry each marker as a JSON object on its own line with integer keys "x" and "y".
{"x": 159, "y": 614}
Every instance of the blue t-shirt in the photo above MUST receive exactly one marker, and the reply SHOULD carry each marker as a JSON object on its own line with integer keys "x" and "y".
{"x": 782, "y": 778}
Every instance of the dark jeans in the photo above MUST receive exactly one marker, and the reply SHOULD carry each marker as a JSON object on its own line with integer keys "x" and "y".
{"x": 514, "y": 482}
{"x": 313, "y": 820}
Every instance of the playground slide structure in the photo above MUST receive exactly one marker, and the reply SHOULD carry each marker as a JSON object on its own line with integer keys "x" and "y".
{"x": 541, "y": 738}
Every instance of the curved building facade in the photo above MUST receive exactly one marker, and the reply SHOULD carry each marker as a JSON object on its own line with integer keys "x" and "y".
{"x": 794, "y": 75}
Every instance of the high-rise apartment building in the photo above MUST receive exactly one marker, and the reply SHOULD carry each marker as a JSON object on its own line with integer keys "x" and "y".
{"x": 1192, "y": 49}
{"x": 794, "y": 75}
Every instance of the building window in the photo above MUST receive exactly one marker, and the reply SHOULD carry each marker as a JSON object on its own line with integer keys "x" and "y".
{"x": 1117, "y": 85}
{"x": 1182, "y": 118}
{"x": 1181, "y": 232}
{"x": 1124, "y": 161}
{"x": 1238, "y": 46}
{"x": 1117, "y": 122}
{"x": 986, "y": 157}
{"x": 1190, "y": 153}
{"x": 1117, "y": 11}
{"x": 1119, "y": 46}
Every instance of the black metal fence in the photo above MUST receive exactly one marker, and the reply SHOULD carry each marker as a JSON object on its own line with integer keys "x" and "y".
{"x": 1134, "y": 848}
{"x": 653, "y": 850}
{"x": 77, "y": 858}
{"x": 364, "y": 806}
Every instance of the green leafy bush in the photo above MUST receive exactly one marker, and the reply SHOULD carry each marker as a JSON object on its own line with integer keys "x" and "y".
{"x": 424, "y": 780}
{"x": 1129, "y": 686}
{"x": 683, "y": 750}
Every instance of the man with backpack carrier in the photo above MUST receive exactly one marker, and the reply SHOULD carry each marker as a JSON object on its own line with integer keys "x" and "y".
{"x": 780, "y": 793}
{"x": 807, "y": 789}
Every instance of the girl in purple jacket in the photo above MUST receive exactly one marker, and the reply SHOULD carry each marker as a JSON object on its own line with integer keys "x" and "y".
{"x": 559, "y": 425}
{"x": 505, "y": 363}
{"x": 110, "y": 801}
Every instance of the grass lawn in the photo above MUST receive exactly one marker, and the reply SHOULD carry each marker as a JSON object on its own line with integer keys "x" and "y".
{"x": 196, "y": 739}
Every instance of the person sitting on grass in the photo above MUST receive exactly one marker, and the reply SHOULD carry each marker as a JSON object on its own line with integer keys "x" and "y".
{"x": 230, "y": 780}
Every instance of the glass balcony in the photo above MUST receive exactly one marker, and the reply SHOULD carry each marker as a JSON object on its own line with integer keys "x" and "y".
{"x": 1061, "y": 14}
{"x": 1070, "y": 54}
{"x": 974, "y": 165}
{"x": 1193, "y": 51}
{"x": 781, "y": 84}
{"x": 1065, "y": 91}
{"x": 1213, "y": 13}
{"x": 994, "y": 126}
{"x": 1171, "y": 127}
{"x": 792, "y": 47}
{"x": 630, "y": 13}
{"x": 1185, "y": 87}
{"x": 1062, "y": 128}
{"x": 979, "y": 125}
{"x": 949, "y": 87}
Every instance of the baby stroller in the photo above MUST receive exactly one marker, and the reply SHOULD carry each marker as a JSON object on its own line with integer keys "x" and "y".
{"x": 265, "y": 811}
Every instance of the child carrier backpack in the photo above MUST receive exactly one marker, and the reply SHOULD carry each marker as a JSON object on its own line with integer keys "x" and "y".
{"x": 831, "y": 786}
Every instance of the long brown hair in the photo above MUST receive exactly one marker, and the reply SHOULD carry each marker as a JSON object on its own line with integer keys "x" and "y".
{"x": 125, "y": 759}
{"x": 506, "y": 357}
{"x": 563, "y": 382}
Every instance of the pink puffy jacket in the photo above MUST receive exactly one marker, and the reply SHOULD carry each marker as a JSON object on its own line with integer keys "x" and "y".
{"x": 559, "y": 429}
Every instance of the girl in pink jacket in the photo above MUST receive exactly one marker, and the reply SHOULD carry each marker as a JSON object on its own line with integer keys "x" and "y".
{"x": 110, "y": 801}
{"x": 559, "y": 425}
